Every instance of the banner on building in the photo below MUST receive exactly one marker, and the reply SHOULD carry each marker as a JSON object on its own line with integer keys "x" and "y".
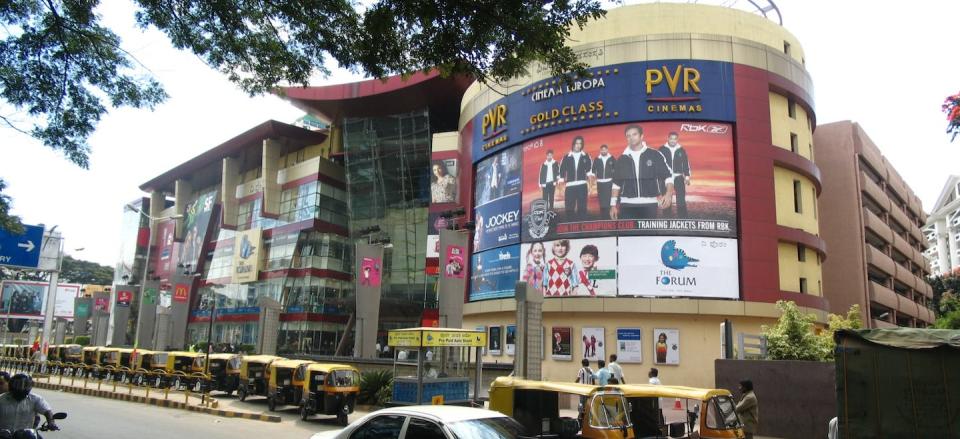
{"x": 196, "y": 223}
{"x": 510, "y": 345}
{"x": 452, "y": 283}
{"x": 495, "y": 340}
{"x": 495, "y": 273}
{"x": 368, "y": 288}
{"x": 593, "y": 344}
{"x": 181, "y": 292}
{"x": 679, "y": 266}
{"x": 571, "y": 267}
{"x": 246, "y": 256}
{"x": 28, "y": 299}
{"x": 560, "y": 340}
{"x": 124, "y": 295}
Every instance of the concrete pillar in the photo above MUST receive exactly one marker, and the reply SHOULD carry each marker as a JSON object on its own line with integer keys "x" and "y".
{"x": 183, "y": 192}
{"x": 368, "y": 274}
{"x": 161, "y": 332}
{"x": 269, "y": 325}
{"x": 179, "y": 310}
{"x": 270, "y": 166}
{"x": 83, "y": 308}
{"x": 147, "y": 322}
{"x": 101, "y": 318}
{"x": 943, "y": 244}
{"x": 529, "y": 350}
{"x": 452, "y": 286}
{"x": 121, "y": 297}
{"x": 954, "y": 246}
{"x": 59, "y": 330}
{"x": 228, "y": 192}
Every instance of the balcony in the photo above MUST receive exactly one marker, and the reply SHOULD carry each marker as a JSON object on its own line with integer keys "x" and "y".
{"x": 878, "y": 259}
{"x": 874, "y": 191}
{"x": 901, "y": 218}
{"x": 905, "y": 276}
{"x": 902, "y": 246}
{"x": 882, "y": 295}
{"x": 876, "y": 225}
{"x": 908, "y": 307}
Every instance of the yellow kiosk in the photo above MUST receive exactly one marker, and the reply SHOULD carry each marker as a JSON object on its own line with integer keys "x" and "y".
{"x": 441, "y": 357}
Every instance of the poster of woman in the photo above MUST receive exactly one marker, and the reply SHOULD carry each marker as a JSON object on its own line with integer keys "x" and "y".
{"x": 443, "y": 181}
{"x": 666, "y": 348}
{"x": 560, "y": 341}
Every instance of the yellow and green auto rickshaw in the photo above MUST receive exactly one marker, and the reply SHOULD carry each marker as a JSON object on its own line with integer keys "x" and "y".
{"x": 109, "y": 361}
{"x": 329, "y": 389}
{"x": 255, "y": 375}
{"x": 678, "y": 411}
{"x": 180, "y": 368}
{"x": 537, "y": 406}
{"x": 285, "y": 385}
{"x": 89, "y": 359}
{"x": 224, "y": 371}
{"x": 152, "y": 367}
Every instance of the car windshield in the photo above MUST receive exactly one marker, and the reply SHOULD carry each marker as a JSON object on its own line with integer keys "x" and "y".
{"x": 487, "y": 428}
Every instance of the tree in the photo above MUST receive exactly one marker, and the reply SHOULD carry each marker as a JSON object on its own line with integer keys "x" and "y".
{"x": 949, "y": 282}
{"x": 62, "y": 68}
{"x": 76, "y": 271}
{"x": 792, "y": 338}
{"x": 852, "y": 320}
{"x": 948, "y": 311}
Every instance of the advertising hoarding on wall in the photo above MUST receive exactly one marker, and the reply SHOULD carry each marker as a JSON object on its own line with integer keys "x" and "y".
{"x": 195, "y": 224}
{"x": 444, "y": 186}
{"x": 629, "y": 345}
{"x": 495, "y": 273}
{"x": 497, "y": 223}
{"x": 591, "y": 340}
{"x": 561, "y": 349}
{"x": 29, "y": 299}
{"x": 246, "y": 256}
{"x": 679, "y": 266}
{"x": 571, "y": 267}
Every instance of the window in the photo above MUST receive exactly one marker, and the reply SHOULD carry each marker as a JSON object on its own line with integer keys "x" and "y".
{"x": 803, "y": 285}
{"x": 810, "y": 148}
{"x": 801, "y": 253}
{"x": 423, "y": 429}
{"x": 791, "y": 108}
{"x": 722, "y": 414}
{"x": 794, "y": 143}
{"x": 814, "y": 193}
{"x": 797, "y": 197}
{"x": 786, "y": 47}
{"x": 381, "y": 427}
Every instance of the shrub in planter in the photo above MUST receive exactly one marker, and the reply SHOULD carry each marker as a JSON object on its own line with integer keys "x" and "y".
{"x": 376, "y": 387}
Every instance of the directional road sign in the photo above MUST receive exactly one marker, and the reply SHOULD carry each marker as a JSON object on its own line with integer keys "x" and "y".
{"x": 21, "y": 250}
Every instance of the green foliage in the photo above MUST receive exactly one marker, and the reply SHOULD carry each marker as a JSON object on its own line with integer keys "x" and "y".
{"x": 948, "y": 311}
{"x": 8, "y": 222}
{"x": 82, "y": 340}
{"x": 852, "y": 320}
{"x": 68, "y": 340}
{"x": 263, "y": 44}
{"x": 792, "y": 338}
{"x": 248, "y": 348}
{"x": 948, "y": 283}
{"x": 85, "y": 272}
{"x": 376, "y": 387}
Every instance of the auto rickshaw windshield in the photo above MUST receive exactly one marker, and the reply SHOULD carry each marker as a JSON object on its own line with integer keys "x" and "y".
{"x": 74, "y": 350}
{"x": 608, "y": 411}
{"x": 722, "y": 414}
{"x": 344, "y": 378}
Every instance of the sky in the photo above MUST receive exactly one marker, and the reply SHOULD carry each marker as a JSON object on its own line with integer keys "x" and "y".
{"x": 887, "y": 66}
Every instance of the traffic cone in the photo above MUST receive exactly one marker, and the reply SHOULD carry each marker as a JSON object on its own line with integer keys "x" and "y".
{"x": 676, "y": 405}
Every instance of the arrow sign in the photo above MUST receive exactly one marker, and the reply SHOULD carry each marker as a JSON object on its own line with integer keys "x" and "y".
{"x": 18, "y": 250}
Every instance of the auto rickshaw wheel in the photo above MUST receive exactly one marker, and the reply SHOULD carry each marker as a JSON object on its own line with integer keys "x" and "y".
{"x": 271, "y": 404}
{"x": 241, "y": 394}
{"x": 304, "y": 413}
{"x": 176, "y": 383}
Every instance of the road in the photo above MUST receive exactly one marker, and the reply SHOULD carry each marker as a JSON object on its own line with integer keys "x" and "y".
{"x": 97, "y": 418}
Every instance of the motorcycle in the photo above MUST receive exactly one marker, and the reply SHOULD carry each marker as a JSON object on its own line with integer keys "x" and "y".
{"x": 32, "y": 433}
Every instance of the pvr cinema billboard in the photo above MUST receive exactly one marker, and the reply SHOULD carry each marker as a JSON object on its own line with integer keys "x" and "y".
{"x": 626, "y": 182}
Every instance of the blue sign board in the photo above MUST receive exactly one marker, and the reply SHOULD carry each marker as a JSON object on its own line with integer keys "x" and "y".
{"x": 21, "y": 250}
{"x": 618, "y": 93}
{"x": 498, "y": 223}
{"x": 495, "y": 273}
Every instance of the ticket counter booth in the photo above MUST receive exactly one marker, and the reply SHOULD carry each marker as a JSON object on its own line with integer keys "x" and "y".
{"x": 443, "y": 360}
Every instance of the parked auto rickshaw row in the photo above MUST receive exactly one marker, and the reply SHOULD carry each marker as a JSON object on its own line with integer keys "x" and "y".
{"x": 316, "y": 388}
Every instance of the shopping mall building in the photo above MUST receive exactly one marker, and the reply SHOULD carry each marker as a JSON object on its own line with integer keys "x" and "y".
{"x": 682, "y": 191}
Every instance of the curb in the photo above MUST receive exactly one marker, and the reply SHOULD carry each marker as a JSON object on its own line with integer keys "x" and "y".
{"x": 166, "y": 403}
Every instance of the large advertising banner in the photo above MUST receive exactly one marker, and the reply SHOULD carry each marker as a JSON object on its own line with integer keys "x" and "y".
{"x": 498, "y": 176}
{"x": 166, "y": 254}
{"x": 28, "y": 300}
{"x": 195, "y": 224}
{"x": 586, "y": 183}
{"x": 560, "y": 341}
{"x": 495, "y": 273}
{"x": 497, "y": 223}
{"x": 443, "y": 181}
{"x": 666, "y": 349}
{"x": 646, "y": 90}
{"x": 571, "y": 267}
{"x": 246, "y": 256}
{"x": 679, "y": 266}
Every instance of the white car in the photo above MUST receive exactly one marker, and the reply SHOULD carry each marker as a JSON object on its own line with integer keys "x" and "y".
{"x": 429, "y": 422}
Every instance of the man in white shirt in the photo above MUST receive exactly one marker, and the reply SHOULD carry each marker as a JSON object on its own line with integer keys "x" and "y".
{"x": 654, "y": 376}
{"x": 615, "y": 370}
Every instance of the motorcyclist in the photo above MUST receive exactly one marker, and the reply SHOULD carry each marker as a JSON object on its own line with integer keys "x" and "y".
{"x": 18, "y": 407}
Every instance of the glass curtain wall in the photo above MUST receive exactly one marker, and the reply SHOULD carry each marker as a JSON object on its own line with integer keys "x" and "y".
{"x": 388, "y": 173}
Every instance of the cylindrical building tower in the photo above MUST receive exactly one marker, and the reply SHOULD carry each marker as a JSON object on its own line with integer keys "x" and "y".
{"x": 669, "y": 189}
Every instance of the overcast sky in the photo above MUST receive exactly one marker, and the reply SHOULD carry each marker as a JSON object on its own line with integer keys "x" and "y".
{"x": 888, "y": 67}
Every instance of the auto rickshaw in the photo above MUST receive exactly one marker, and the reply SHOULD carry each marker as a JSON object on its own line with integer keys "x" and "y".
{"x": 286, "y": 382}
{"x": 224, "y": 371}
{"x": 130, "y": 361}
{"x": 682, "y": 412}
{"x": 153, "y": 365}
{"x": 536, "y": 405}
{"x": 329, "y": 389}
{"x": 181, "y": 365}
{"x": 254, "y": 375}
{"x": 64, "y": 356}
{"x": 109, "y": 361}
{"x": 89, "y": 359}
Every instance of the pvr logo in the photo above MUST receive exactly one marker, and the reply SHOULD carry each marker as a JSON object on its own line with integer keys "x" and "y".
{"x": 690, "y": 76}
{"x": 494, "y": 121}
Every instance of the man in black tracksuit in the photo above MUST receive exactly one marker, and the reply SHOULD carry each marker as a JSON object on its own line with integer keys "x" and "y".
{"x": 603, "y": 169}
{"x": 549, "y": 173}
{"x": 573, "y": 173}
{"x": 642, "y": 180}
{"x": 679, "y": 163}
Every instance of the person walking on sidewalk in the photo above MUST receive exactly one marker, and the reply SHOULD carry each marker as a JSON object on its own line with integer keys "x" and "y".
{"x": 615, "y": 370}
{"x": 747, "y": 409}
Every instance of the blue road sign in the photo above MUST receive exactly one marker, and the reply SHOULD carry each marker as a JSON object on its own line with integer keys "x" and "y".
{"x": 21, "y": 250}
